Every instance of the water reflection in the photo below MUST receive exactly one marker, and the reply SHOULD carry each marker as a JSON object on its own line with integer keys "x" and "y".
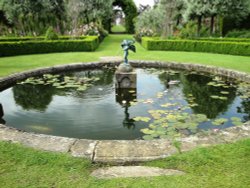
{"x": 245, "y": 109}
{"x": 196, "y": 85}
{"x": 33, "y": 97}
{"x": 124, "y": 97}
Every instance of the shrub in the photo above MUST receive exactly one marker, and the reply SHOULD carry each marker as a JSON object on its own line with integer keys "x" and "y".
{"x": 35, "y": 47}
{"x": 144, "y": 32}
{"x": 51, "y": 34}
{"x": 233, "y": 48}
{"x": 239, "y": 34}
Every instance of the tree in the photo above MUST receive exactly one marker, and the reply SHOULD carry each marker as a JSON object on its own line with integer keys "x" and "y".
{"x": 169, "y": 9}
{"x": 86, "y": 11}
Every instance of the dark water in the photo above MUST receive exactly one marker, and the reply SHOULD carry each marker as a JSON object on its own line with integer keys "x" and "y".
{"x": 100, "y": 112}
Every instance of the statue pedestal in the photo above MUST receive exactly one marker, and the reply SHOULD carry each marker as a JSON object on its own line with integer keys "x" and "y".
{"x": 125, "y": 77}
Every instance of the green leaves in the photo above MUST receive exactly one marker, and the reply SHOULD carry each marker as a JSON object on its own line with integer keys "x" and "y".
{"x": 62, "y": 82}
{"x": 220, "y": 121}
{"x": 140, "y": 118}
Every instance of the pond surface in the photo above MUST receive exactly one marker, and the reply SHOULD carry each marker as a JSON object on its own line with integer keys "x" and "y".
{"x": 166, "y": 103}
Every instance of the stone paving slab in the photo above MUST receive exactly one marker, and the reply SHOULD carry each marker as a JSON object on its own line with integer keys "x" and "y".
{"x": 84, "y": 148}
{"x": 37, "y": 141}
{"x": 120, "y": 151}
{"x": 133, "y": 171}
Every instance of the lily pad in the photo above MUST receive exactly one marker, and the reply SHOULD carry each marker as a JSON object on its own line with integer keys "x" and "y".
{"x": 224, "y": 92}
{"x": 140, "y": 118}
{"x": 219, "y": 121}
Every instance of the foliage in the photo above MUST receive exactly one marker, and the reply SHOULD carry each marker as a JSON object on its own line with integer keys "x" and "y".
{"x": 239, "y": 34}
{"x": 148, "y": 24}
{"x": 34, "y": 17}
{"x": 233, "y": 48}
{"x": 87, "y": 11}
{"x": 9, "y": 65}
{"x": 51, "y": 34}
{"x": 130, "y": 10}
{"x": 33, "y": 47}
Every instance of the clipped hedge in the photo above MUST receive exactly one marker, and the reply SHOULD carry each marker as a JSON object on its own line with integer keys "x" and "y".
{"x": 36, "y": 47}
{"x": 233, "y": 48}
{"x": 225, "y": 39}
{"x": 13, "y": 39}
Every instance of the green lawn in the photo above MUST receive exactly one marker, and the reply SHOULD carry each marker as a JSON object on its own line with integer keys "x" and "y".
{"x": 111, "y": 47}
{"x": 118, "y": 29}
{"x": 220, "y": 166}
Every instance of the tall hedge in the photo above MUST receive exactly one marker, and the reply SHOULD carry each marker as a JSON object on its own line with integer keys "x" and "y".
{"x": 41, "y": 46}
{"x": 233, "y": 48}
{"x": 130, "y": 10}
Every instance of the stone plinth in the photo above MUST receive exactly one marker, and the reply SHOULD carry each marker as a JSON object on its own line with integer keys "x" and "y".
{"x": 125, "y": 77}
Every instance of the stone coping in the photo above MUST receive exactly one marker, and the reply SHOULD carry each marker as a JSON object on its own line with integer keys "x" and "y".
{"x": 122, "y": 151}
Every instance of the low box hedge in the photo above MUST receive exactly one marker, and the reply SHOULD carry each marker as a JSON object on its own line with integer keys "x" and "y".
{"x": 233, "y": 48}
{"x": 89, "y": 43}
{"x": 14, "y": 39}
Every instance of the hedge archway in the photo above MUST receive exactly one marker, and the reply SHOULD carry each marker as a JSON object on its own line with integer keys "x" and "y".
{"x": 130, "y": 11}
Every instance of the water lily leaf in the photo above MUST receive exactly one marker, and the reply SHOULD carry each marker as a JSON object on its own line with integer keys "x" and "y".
{"x": 235, "y": 119}
{"x": 148, "y": 137}
{"x": 81, "y": 88}
{"x": 193, "y": 105}
{"x": 224, "y": 92}
{"x": 167, "y": 105}
{"x": 214, "y": 97}
{"x": 147, "y": 131}
{"x": 211, "y": 83}
{"x": 219, "y": 121}
{"x": 164, "y": 136}
{"x": 200, "y": 118}
{"x": 223, "y": 98}
{"x": 237, "y": 123}
{"x": 140, "y": 118}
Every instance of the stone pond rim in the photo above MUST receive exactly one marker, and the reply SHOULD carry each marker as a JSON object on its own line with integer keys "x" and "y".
{"x": 121, "y": 151}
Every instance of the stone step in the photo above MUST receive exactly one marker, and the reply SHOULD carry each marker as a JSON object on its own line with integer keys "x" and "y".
{"x": 133, "y": 171}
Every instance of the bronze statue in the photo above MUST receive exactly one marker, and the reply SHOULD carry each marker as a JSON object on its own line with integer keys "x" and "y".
{"x": 126, "y": 46}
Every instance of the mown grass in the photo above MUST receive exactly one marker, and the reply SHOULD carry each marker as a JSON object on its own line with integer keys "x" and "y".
{"x": 220, "y": 166}
{"x": 118, "y": 29}
{"x": 111, "y": 47}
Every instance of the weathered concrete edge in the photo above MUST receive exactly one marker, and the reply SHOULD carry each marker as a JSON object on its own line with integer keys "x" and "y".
{"x": 11, "y": 79}
{"x": 121, "y": 151}
{"x": 98, "y": 150}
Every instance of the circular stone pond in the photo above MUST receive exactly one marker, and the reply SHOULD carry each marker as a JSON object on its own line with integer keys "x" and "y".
{"x": 167, "y": 103}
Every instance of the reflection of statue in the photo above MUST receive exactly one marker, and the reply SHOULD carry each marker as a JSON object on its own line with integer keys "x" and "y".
{"x": 124, "y": 97}
{"x": 127, "y": 122}
{"x": 126, "y": 46}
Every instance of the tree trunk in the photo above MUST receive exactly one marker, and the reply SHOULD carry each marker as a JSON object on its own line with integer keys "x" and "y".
{"x": 212, "y": 25}
{"x": 199, "y": 25}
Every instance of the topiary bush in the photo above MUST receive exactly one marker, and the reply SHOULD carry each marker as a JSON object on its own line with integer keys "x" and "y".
{"x": 89, "y": 43}
{"x": 51, "y": 34}
{"x": 233, "y": 48}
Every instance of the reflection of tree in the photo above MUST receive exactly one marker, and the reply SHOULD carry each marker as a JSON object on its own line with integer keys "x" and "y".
{"x": 197, "y": 86}
{"x": 36, "y": 97}
{"x": 105, "y": 76}
{"x": 165, "y": 77}
{"x": 245, "y": 108}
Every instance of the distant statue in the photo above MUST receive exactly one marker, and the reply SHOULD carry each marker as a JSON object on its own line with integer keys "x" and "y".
{"x": 126, "y": 46}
